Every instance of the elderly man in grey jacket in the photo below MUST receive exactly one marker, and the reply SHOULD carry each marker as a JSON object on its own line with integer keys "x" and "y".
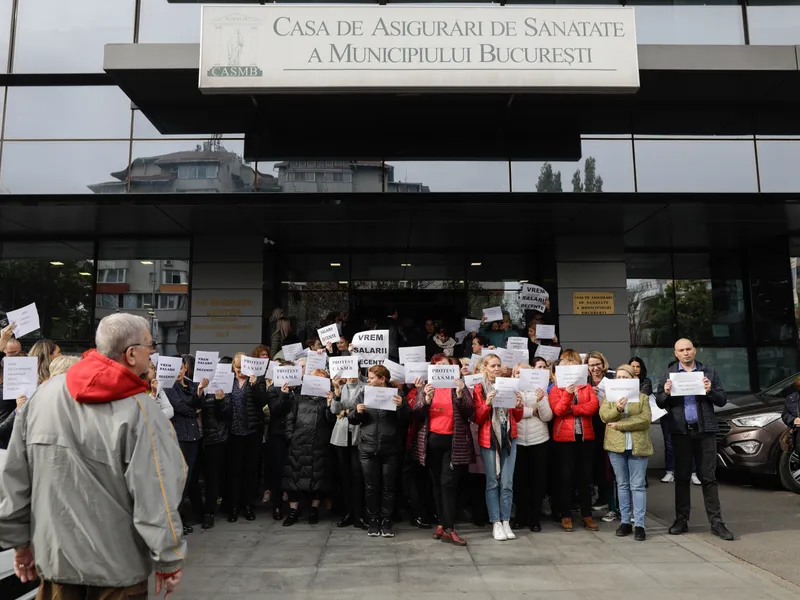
{"x": 108, "y": 476}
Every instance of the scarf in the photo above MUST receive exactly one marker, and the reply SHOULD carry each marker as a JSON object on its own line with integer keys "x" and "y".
{"x": 501, "y": 429}
{"x": 446, "y": 346}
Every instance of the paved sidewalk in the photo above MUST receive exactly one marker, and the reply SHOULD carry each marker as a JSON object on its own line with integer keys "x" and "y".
{"x": 262, "y": 559}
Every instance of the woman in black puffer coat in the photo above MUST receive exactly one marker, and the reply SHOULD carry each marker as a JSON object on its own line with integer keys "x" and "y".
{"x": 308, "y": 471}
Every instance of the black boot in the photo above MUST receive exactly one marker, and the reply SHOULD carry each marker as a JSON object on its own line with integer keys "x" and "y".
{"x": 360, "y": 523}
{"x": 313, "y": 515}
{"x": 187, "y": 529}
{"x": 234, "y": 516}
{"x": 249, "y": 514}
{"x": 291, "y": 518}
{"x": 345, "y": 521}
{"x": 208, "y": 521}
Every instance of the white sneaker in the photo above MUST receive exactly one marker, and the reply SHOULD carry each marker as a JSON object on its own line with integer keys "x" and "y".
{"x": 695, "y": 480}
{"x": 499, "y": 533}
{"x": 610, "y": 517}
{"x": 668, "y": 478}
{"x": 599, "y": 506}
{"x": 507, "y": 530}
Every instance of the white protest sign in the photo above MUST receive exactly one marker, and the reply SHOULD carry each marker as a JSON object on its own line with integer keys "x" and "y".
{"x": 20, "y": 376}
{"x": 154, "y": 359}
{"x": 316, "y": 360}
{"x": 328, "y": 334}
{"x": 223, "y": 380}
{"x": 411, "y": 354}
{"x": 396, "y": 370}
{"x": 545, "y": 332}
{"x": 371, "y": 347}
{"x": 656, "y": 412}
{"x": 517, "y": 343}
{"x": 495, "y": 313}
{"x": 293, "y": 376}
{"x": 687, "y": 384}
{"x": 506, "y": 389}
{"x": 380, "y": 398}
{"x": 271, "y": 370}
{"x": 224, "y": 368}
{"x": 315, "y": 386}
{"x": 473, "y": 360}
{"x": 292, "y": 351}
{"x": 26, "y": 319}
{"x": 443, "y": 376}
{"x": 254, "y": 366}
{"x": 622, "y": 388}
{"x": 472, "y": 380}
{"x": 460, "y": 335}
{"x": 506, "y": 357}
{"x": 567, "y": 375}
{"x": 549, "y": 353}
{"x": 472, "y": 325}
{"x": 534, "y": 379}
{"x": 168, "y": 369}
{"x": 518, "y": 356}
{"x": 533, "y": 297}
{"x": 205, "y": 365}
{"x": 343, "y": 367}
{"x": 417, "y": 370}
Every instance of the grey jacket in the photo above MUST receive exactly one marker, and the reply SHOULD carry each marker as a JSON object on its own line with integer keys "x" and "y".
{"x": 95, "y": 487}
{"x": 347, "y": 403}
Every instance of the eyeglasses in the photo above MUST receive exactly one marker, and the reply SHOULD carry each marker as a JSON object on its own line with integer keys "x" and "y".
{"x": 151, "y": 346}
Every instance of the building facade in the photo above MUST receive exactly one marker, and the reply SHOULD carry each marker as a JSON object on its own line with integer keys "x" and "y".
{"x": 125, "y": 188}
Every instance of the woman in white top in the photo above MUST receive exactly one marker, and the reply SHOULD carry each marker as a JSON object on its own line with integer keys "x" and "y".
{"x": 530, "y": 471}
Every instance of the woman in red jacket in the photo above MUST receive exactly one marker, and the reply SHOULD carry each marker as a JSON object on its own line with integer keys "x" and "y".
{"x": 573, "y": 433}
{"x": 498, "y": 441}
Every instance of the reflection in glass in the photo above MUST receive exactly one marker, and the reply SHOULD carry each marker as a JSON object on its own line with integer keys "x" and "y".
{"x": 309, "y": 308}
{"x": 442, "y": 176}
{"x": 133, "y": 277}
{"x": 695, "y": 166}
{"x": 196, "y": 166}
{"x": 54, "y": 36}
{"x": 167, "y": 22}
{"x": 67, "y": 112}
{"x": 62, "y": 291}
{"x": 730, "y": 363}
{"x": 336, "y": 176}
{"x": 776, "y": 363}
{"x": 144, "y": 129}
{"x": 777, "y": 161}
{"x": 606, "y": 166}
{"x": 773, "y": 25}
{"x": 59, "y": 167}
{"x": 689, "y": 25}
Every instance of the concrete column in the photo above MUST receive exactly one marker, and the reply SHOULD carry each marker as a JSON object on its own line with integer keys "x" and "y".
{"x": 227, "y": 296}
{"x": 593, "y": 264}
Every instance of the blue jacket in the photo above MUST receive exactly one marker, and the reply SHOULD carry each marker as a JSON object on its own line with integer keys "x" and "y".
{"x": 497, "y": 338}
{"x": 185, "y": 402}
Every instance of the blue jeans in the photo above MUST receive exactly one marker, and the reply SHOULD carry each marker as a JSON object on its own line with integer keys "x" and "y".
{"x": 631, "y": 473}
{"x": 499, "y": 493}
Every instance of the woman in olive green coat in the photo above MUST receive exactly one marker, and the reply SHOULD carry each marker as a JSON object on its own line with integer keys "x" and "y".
{"x": 627, "y": 441}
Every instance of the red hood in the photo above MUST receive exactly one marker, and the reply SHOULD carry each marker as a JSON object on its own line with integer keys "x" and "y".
{"x": 97, "y": 379}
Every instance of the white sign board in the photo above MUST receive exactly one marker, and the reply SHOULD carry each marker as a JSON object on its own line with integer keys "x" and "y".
{"x": 567, "y": 375}
{"x": 411, "y": 354}
{"x": 380, "y": 397}
{"x": 314, "y": 47}
{"x": 472, "y": 380}
{"x": 223, "y": 380}
{"x": 316, "y": 360}
{"x": 315, "y": 386}
{"x": 20, "y": 376}
{"x": 492, "y": 314}
{"x": 545, "y": 332}
{"x": 506, "y": 389}
{"x": 533, "y": 297}
{"x": 472, "y": 325}
{"x": 205, "y": 365}
{"x": 329, "y": 334}
{"x": 343, "y": 367}
{"x": 517, "y": 343}
{"x": 416, "y": 370}
{"x": 291, "y": 352}
{"x": 254, "y": 366}
{"x": 443, "y": 376}
{"x": 549, "y": 353}
{"x": 534, "y": 379}
{"x": 292, "y": 376}
{"x": 687, "y": 384}
{"x": 167, "y": 370}
{"x": 622, "y": 388}
{"x": 396, "y": 370}
{"x": 26, "y": 319}
{"x": 371, "y": 347}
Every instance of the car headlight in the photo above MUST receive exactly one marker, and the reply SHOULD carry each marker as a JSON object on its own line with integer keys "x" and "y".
{"x": 750, "y": 447}
{"x": 760, "y": 420}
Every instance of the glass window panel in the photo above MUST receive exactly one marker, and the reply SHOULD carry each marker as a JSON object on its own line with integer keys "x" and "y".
{"x": 774, "y": 25}
{"x": 772, "y": 294}
{"x": 6, "y": 8}
{"x": 144, "y": 129}
{"x": 166, "y": 22}
{"x": 323, "y": 176}
{"x": 67, "y": 112}
{"x": 62, "y": 291}
{"x": 300, "y": 267}
{"x": 445, "y": 176}
{"x": 217, "y": 166}
{"x": 775, "y": 364}
{"x": 777, "y": 161}
{"x": 63, "y": 167}
{"x": 54, "y": 36}
{"x": 730, "y": 363}
{"x": 308, "y": 309}
{"x": 145, "y": 284}
{"x": 695, "y": 166}
{"x": 605, "y": 166}
{"x": 689, "y": 25}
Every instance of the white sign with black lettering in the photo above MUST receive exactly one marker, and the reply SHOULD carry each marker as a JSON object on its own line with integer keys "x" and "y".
{"x": 472, "y": 325}
{"x": 26, "y": 319}
{"x": 381, "y": 398}
{"x": 533, "y": 297}
{"x": 397, "y": 371}
{"x": 443, "y": 376}
{"x": 316, "y": 360}
{"x": 622, "y": 388}
{"x": 292, "y": 351}
{"x": 315, "y": 386}
{"x": 205, "y": 365}
{"x": 495, "y": 313}
{"x": 545, "y": 332}
{"x": 292, "y": 376}
{"x": 549, "y": 353}
{"x": 687, "y": 384}
{"x": 411, "y": 354}
{"x": 567, "y": 375}
{"x": 168, "y": 369}
{"x": 343, "y": 367}
{"x": 371, "y": 347}
{"x": 254, "y": 366}
{"x": 517, "y": 343}
{"x": 506, "y": 357}
{"x": 472, "y": 380}
{"x": 20, "y": 376}
{"x": 328, "y": 334}
{"x": 223, "y": 380}
{"x": 417, "y": 370}
{"x": 534, "y": 379}
{"x": 506, "y": 389}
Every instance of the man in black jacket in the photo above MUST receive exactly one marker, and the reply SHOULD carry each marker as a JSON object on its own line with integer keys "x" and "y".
{"x": 693, "y": 425}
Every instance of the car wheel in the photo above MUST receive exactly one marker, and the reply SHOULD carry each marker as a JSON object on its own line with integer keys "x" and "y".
{"x": 789, "y": 470}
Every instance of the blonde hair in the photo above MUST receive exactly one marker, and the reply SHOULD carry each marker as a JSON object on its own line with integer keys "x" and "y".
{"x": 43, "y": 351}
{"x": 62, "y": 364}
{"x": 486, "y": 359}
{"x": 321, "y": 373}
{"x": 518, "y": 367}
{"x": 627, "y": 369}
{"x": 284, "y": 326}
{"x": 571, "y": 355}
{"x": 478, "y": 366}
{"x": 599, "y": 356}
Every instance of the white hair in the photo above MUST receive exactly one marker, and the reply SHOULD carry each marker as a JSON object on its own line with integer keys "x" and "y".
{"x": 119, "y": 331}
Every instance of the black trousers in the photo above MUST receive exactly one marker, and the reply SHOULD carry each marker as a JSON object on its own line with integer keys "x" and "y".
{"x": 307, "y": 496}
{"x": 277, "y": 459}
{"x": 702, "y": 448}
{"x": 190, "y": 451}
{"x": 444, "y": 478}
{"x": 380, "y": 478}
{"x": 213, "y": 461}
{"x": 577, "y": 467}
{"x": 243, "y": 468}
{"x": 351, "y": 480}
{"x": 530, "y": 482}
{"x": 417, "y": 486}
